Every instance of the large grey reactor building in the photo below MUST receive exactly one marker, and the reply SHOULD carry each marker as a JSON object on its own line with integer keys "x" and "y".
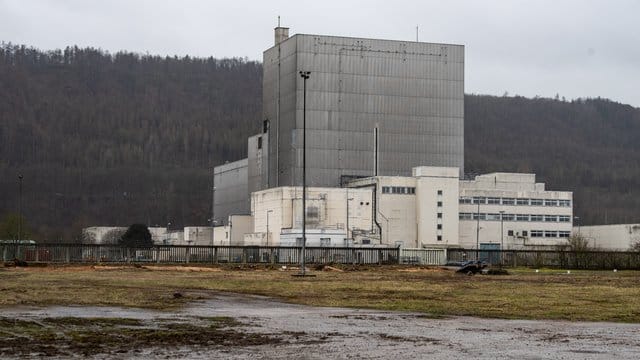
{"x": 374, "y": 107}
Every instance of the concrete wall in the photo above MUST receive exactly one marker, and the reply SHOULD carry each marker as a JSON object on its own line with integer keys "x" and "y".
{"x": 412, "y": 92}
{"x": 619, "y": 237}
{"x": 281, "y": 209}
{"x": 231, "y": 190}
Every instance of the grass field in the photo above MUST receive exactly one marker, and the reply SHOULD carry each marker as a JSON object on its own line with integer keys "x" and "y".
{"x": 524, "y": 294}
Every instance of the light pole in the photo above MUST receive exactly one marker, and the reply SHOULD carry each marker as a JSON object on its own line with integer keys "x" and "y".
{"x": 213, "y": 207}
{"x": 501, "y": 234}
{"x": 20, "y": 208}
{"x": 348, "y": 199}
{"x": 305, "y": 77}
{"x": 478, "y": 231}
{"x": 268, "y": 211}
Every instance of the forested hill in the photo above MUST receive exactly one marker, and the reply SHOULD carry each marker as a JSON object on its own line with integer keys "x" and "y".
{"x": 112, "y": 139}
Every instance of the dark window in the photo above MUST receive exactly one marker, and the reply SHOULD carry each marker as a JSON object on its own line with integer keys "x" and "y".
{"x": 439, "y": 226}
{"x": 510, "y": 232}
{"x": 439, "y": 215}
{"x": 259, "y": 142}
{"x": 439, "y": 203}
{"x": 524, "y": 232}
{"x": 439, "y": 237}
{"x": 439, "y": 192}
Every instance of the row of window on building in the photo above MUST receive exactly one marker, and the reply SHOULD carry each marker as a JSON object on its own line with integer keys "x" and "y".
{"x": 515, "y": 217}
{"x": 398, "y": 190}
{"x": 514, "y": 201}
{"x": 550, "y": 234}
{"x": 543, "y": 233}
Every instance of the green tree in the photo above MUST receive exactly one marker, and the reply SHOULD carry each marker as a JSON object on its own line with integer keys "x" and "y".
{"x": 137, "y": 235}
{"x": 9, "y": 228}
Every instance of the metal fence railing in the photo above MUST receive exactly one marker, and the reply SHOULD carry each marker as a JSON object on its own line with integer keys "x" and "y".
{"x": 168, "y": 254}
{"x": 91, "y": 253}
{"x": 593, "y": 260}
{"x": 423, "y": 256}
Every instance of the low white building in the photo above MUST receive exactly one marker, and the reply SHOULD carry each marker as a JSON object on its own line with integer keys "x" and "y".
{"x": 512, "y": 209}
{"x": 277, "y": 216}
{"x": 619, "y": 237}
{"x": 432, "y": 208}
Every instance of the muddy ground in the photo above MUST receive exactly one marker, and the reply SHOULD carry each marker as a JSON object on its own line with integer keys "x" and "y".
{"x": 234, "y": 326}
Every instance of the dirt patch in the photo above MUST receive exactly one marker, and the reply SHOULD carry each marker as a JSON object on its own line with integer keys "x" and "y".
{"x": 67, "y": 336}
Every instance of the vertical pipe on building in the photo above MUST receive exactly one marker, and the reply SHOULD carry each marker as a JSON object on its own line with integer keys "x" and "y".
{"x": 375, "y": 151}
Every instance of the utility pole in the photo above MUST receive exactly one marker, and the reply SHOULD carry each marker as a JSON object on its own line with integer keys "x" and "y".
{"x": 478, "y": 231}
{"x": 20, "y": 208}
{"x": 501, "y": 234}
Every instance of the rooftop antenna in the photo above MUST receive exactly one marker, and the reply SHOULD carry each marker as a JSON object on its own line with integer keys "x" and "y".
{"x": 416, "y": 33}
{"x": 278, "y": 20}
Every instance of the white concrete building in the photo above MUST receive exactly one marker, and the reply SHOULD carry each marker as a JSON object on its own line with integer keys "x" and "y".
{"x": 619, "y": 237}
{"x": 432, "y": 208}
{"x": 512, "y": 209}
{"x": 277, "y": 216}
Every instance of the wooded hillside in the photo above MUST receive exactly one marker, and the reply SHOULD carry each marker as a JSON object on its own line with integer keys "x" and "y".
{"x": 116, "y": 139}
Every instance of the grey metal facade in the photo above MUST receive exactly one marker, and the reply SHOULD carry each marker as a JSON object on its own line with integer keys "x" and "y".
{"x": 231, "y": 194}
{"x": 412, "y": 92}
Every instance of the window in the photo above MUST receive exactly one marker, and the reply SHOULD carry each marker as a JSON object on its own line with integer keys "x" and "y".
{"x": 439, "y": 203}
{"x": 522, "y": 217}
{"x": 524, "y": 232}
{"x": 508, "y": 201}
{"x": 259, "y": 142}
{"x": 537, "y": 233}
{"x": 439, "y": 226}
{"x": 536, "y": 202}
{"x": 412, "y": 190}
{"x": 522, "y": 201}
{"x": 551, "y": 202}
{"x": 550, "y": 234}
{"x": 509, "y": 232}
{"x": 564, "y": 234}
{"x": 537, "y": 217}
{"x": 493, "y": 217}
{"x": 465, "y": 200}
{"x": 482, "y": 216}
{"x": 366, "y": 241}
{"x": 361, "y": 203}
{"x": 439, "y": 237}
{"x": 439, "y": 215}
{"x": 479, "y": 200}
{"x": 325, "y": 242}
{"x": 439, "y": 192}
{"x": 386, "y": 190}
{"x": 493, "y": 201}
{"x": 508, "y": 217}
{"x": 550, "y": 218}
{"x": 564, "y": 203}
{"x": 466, "y": 216}
{"x": 564, "y": 218}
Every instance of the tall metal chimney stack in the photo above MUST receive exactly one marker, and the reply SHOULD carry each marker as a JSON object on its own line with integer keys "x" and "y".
{"x": 282, "y": 34}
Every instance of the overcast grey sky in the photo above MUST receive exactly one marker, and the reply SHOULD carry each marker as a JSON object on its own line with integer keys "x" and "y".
{"x": 576, "y": 48}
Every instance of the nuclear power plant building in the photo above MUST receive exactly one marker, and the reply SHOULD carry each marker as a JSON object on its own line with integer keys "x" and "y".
{"x": 373, "y": 107}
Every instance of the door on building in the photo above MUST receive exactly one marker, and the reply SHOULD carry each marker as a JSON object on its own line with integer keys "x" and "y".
{"x": 491, "y": 254}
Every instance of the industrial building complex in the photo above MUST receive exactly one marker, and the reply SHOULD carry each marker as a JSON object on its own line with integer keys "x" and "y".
{"x": 384, "y": 126}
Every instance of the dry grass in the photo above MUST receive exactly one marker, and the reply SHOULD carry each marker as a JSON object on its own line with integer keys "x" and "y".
{"x": 583, "y": 296}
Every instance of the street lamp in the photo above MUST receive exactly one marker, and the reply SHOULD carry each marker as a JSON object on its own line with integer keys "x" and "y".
{"x": 268, "y": 211}
{"x": 20, "y": 208}
{"x": 305, "y": 77}
{"x": 348, "y": 199}
{"x": 478, "y": 230}
{"x": 501, "y": 234}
